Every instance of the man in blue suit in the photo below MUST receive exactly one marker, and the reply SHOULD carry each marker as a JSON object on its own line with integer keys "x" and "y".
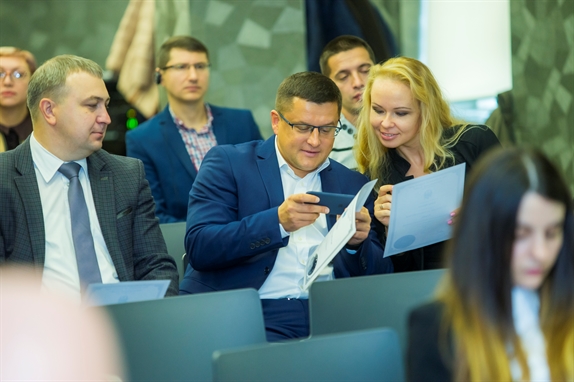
{"x": 172, "y": 145}
{"x": 250, "y": 224}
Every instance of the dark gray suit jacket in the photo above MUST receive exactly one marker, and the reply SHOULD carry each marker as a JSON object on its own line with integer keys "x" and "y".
{"x": 124, "y": 206}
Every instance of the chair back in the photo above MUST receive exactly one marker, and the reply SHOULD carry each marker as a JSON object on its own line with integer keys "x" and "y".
{"x": 367, "y": 302}
{"x": 372, "y": 355}
{"x": 174, "y": 236}
{"x": 173, "y": 339}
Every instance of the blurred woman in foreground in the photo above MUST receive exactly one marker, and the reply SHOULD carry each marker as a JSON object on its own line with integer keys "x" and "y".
{"x": 505, "y": 310}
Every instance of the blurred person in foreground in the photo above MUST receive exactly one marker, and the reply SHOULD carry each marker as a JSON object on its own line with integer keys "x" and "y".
{"x": 46, "y": 337}
{"x": 505, "y": 308}
{"x": 406, "y": 130}
{"x": 16, "y": 68}
{"x": 77, "y": 213}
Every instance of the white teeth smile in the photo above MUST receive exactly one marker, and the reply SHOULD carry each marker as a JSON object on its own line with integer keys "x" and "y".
{"x": 388, "y": 135}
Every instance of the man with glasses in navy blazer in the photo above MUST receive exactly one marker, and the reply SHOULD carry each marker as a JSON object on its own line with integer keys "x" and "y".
{"x": 172, "y": 145}
{"x": 250, "y": 222}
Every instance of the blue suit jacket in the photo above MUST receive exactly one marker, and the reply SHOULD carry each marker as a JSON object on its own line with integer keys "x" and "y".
{"x": 168, "y": 167}
{"x": 233, "y": 233}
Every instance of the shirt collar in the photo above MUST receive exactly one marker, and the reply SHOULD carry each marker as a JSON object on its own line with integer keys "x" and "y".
{"x": 284, "y": 166}
{"x": 46, "y": 162}
{"x": 179, "y": 123}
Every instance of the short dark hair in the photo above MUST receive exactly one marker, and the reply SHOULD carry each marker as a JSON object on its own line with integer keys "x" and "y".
{"x": 310, "y": 86}
{"x": 179, "y": 42}
{"x": 342, "y": 44}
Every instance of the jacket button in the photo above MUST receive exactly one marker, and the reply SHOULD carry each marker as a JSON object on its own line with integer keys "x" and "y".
{"x": 267, "y": 270}
{"x": 267, "y": 240}
{"x": 252, "y": 246}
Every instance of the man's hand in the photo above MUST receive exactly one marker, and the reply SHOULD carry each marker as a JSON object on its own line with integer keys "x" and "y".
{"x": 295, "y": 212}
{"x": 363, "y": 224}
{"x": 382, "y": 205}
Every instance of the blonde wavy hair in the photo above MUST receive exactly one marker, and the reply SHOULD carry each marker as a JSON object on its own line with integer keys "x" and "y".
{"x": 436, "y": 117}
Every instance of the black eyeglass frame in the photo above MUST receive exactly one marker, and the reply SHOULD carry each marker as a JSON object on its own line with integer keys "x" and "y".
{"x": 306, "y": 129}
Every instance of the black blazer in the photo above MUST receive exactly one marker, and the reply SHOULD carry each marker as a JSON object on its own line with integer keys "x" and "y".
{"x": 429, "y": 353}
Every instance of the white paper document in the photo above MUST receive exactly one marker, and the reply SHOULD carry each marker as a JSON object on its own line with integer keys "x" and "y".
{"x": 341, "y": 232}
{"x": 421, "y": 208}
{"x": 127, "y": 291}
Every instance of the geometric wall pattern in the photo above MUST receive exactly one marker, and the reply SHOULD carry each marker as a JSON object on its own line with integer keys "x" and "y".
{"x": 253, "y": 46}
{"x": 51, "y": 27}
{"x": 543, "y": 78}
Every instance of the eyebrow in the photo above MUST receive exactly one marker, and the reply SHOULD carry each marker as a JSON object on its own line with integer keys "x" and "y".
{"x": 96, "y": 98}
{"x": 557, "y": 224}
{"x": 396, "y": 108}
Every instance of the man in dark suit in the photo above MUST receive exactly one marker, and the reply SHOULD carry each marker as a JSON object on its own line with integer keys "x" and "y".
{"x": 250, "y": 224}
{"x": 172, "y": 145}
{"x": 67, "y": 99}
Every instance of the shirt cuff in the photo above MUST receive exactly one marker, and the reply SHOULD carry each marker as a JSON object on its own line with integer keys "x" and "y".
{"x": 284, "y": 233}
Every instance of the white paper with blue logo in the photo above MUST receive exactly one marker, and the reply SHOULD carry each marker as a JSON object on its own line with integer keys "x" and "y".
{"x": 126, "y": 291}
{"x": 421, "y": 208}
{"x": 341, "y": 232}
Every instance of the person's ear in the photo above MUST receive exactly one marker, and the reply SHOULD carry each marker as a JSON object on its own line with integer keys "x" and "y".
{"x": 275, "y": 119}
{"x": 47, "y": 109}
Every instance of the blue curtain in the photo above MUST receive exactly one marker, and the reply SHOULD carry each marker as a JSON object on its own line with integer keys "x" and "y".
{"x": 327, "y": 19}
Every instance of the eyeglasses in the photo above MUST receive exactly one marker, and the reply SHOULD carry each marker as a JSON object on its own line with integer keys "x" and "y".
{"x": 180, "y": 68}
{"x": 16, "y": 75}
{"x": 301, "y": 128}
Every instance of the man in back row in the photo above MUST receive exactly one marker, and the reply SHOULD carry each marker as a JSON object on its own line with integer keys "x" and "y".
{"x": 250, "y": 224}
{"x": 347, "y": 60}
{"x": 172, "y": 145}
{"x": 73, "y": 211}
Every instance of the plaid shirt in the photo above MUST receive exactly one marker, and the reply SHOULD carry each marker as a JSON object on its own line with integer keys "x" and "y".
{"x": 197, "y": 142}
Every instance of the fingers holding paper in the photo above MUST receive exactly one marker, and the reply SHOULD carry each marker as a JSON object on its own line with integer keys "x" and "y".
{"x": 363, "y": 226}
{"x": 383, "y": 204}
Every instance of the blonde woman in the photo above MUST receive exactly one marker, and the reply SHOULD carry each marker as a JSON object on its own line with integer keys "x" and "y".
{"x": 406, "y": 131}
{"x": 506, "y": 307}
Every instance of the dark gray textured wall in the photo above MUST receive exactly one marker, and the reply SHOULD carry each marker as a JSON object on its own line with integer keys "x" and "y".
{"x": 543, "y": 78}
{"x": 51, "y": 27}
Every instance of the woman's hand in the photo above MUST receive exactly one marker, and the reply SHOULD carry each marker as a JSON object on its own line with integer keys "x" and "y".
{"x": 383, "y": 204}
{"x": 453, "y": 216}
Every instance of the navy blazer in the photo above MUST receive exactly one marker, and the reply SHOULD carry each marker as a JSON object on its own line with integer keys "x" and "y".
{"x": 168, "y": 166}
{"x": 233, "y": 233}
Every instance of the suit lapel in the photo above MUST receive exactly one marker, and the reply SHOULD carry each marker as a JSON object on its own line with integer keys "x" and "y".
{"x": 220, "y": 126}
{"x": 330, "y": 183}
{"x": 174, "y": 141}
{"x": 269, "y": 171}
{"x": 27, "y": 186}
{"x": 102, "y": 184}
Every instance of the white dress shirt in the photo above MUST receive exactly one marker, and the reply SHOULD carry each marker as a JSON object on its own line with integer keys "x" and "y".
{"x": 343, "y": 147}
{"x": 60, "y": 266}
{"x": 286, "y": 277}
{"x": 525, "y": 313}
